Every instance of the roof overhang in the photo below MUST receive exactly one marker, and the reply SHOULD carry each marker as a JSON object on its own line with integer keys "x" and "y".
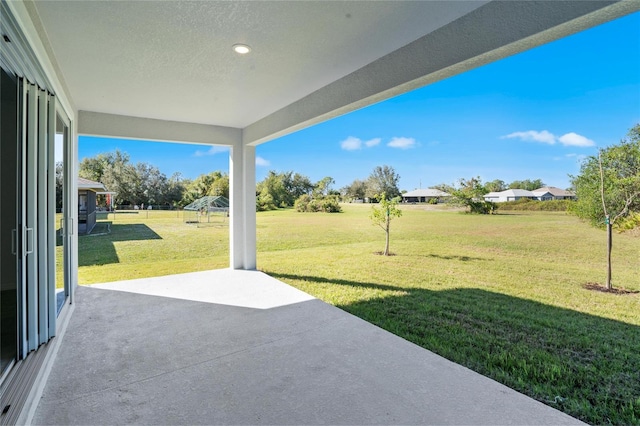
{"x": 166, "y": 70}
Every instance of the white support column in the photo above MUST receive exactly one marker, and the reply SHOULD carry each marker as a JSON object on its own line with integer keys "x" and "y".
{"x": 236, "y": 212}
{"x": 242, "y": 229}
{"x": 249, "y": 181}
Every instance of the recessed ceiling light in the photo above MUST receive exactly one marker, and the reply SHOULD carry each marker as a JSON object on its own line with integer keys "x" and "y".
{"x": 242, "y": 49}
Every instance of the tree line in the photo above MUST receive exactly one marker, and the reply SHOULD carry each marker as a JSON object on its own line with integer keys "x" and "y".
{"x": 143, "y": 183}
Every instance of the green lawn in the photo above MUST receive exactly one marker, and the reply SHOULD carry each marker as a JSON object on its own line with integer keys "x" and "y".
{"x": 502, "y": 295}
{"x": 147, "y": 244}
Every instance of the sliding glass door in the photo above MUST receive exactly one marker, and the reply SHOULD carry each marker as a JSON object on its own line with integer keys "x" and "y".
{"x": 34, "y": 238}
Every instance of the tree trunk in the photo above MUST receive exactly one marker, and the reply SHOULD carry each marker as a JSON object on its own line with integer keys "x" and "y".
{"x": 609, "y": 247}
{"x": 386, "y": 245}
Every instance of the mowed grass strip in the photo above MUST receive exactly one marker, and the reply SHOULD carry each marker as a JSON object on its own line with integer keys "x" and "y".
{"x": 502, "y": 295}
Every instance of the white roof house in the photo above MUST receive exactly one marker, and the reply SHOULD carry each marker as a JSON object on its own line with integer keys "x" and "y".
{"x": 424, "y": 195}
{"x": 509, "y": 195}
{"x": 553, "y": 193}
{"x": 173, "y": 71}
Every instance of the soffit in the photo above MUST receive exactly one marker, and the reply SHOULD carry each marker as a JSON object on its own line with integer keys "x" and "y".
{"x": 172, "y": 60}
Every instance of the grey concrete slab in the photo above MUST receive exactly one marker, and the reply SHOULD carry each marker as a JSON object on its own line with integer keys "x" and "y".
{"x": 133, "y": 358}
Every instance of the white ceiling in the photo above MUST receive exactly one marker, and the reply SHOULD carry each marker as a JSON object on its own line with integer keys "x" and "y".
{"x": 150, "y": 59}
{"x": 311, "y": 60}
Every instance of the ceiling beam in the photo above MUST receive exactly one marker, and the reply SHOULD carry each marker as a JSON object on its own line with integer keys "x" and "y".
{"x": 121, "y": 126}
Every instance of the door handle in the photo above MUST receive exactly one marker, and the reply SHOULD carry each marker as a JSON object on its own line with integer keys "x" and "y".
{"x": 14, "y": 236}
{"x": 29, "y": 240}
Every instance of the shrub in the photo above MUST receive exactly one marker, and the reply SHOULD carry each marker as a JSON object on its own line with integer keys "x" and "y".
{"x": 265, "y": 202}
{"x": 302, "y": 203}
{"x": 326, "y": 204}
{"x": 525, "y": 204}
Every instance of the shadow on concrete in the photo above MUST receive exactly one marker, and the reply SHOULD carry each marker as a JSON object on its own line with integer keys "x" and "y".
{"x": 584, "y": 365}
{"x": 98, "y": 249}
{"x": 131, "y": 358}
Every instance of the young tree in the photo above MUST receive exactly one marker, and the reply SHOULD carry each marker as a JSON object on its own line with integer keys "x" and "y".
{"x": 608, "y": 187}
{"x": 383, "y": 213}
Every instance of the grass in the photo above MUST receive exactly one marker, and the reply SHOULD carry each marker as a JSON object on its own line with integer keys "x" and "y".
{"x": 502, "y": 295}
{"x": 150, "y": 244}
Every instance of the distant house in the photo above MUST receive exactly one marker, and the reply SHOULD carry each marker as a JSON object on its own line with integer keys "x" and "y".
{"x": 509, "y": 195}
{"x": 425, "y": 196}
{"x": 87, "y": 190}
{"x": 548, "y": 193}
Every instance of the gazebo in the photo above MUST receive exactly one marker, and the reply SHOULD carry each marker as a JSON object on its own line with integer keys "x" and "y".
{"x": 206, "y": 210}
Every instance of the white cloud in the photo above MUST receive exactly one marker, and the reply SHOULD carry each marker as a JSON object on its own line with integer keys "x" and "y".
{"x": 568, "y": 139}
{"x": 351, "y": 144}
{"x": 402, "y": 143}
{"x": 574, "y": 139}
{"x": 373, "y": 142}
{"x": 534, "y": 136}
{"x": 216, "y": 149}
{"x": 571, "y": 155}
{"x": 262, "y": 162}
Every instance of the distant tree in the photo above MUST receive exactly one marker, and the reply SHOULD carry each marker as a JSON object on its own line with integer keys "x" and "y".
{"x": 383, "y": 179}
{"x": 469, "y": 193}
{"x": 152, "y": 185}
{"x": 496, "y": 185}
{"x": 121, "y": 177}
{"x": 299, "y": 185}
{"x": 280, "y": 190}
{"x": 220, "y": 186}
{"x": 527, "y": 184}
{"x": 94, "y": 168}
{"x": 323, "y": 187}
{"x": 356, "y": 190}
{"x": 383, "y": 213}
{"x": 176, "y": 188}
{"x": 272, "y": 192}
{"x": 321, "y": 199}
{"x": 215, "y": 184}
{"x": 608, "y": 188}
{"x": 444, "y": 187}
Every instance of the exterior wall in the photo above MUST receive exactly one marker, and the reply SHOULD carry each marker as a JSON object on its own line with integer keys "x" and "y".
{"x": 406, "y": 199}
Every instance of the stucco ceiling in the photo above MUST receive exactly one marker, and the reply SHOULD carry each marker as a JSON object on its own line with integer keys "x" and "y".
{"x": 150, "y": 59}
{"x": 310, "y": 60}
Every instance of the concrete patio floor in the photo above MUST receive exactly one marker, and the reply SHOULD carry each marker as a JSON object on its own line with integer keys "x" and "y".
{"x": 240, "y": 347}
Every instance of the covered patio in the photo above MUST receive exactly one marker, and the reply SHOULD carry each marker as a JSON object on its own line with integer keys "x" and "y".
{"x": 240, "y": 347}
{"x": 230, "y": 346}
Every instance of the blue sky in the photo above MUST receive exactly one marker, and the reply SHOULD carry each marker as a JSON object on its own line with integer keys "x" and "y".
{"x": 532, "y": 115}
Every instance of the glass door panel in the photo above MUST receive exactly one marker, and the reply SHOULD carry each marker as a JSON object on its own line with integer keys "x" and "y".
{"x": 63, "y": 289}
{"x": 9, "y": 150}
